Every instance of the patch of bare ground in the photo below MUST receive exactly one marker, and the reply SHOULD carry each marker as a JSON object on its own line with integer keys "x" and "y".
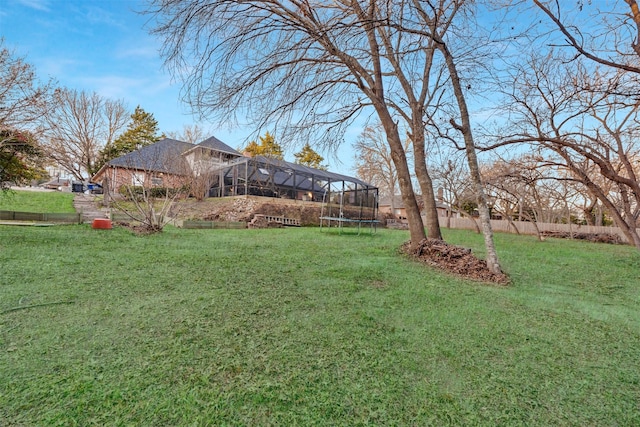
{"x": 454, "y": 260}
{"x": 245, "y": 208}
{"x": 137, "y": 229}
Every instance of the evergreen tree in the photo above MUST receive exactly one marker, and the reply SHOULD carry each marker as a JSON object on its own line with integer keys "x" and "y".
{"x": 141, "y": 131}
{"x": 267, "y": 147}
{"x": 309, "y": 157}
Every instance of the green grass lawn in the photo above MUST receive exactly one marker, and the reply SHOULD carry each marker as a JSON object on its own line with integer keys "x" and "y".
{"x": 35, "y": 201}
{"x": 299, "y": 327}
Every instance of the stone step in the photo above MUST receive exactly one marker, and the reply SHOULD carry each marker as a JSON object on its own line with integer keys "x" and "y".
{"x": 85, "y": 204}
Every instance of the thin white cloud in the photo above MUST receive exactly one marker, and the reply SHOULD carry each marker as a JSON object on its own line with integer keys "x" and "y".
{"x": 138, "y": 52}
{"x": 56, "y": 66}
{"x": 114, "y": 87}
{"x": 97, "y": 15}
{"x": 131, "y": 88}
{"x": 42, "y": 5}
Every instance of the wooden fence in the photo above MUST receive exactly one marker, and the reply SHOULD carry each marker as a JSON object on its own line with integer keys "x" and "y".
{"x": 194, "y": 224}
{"x": 66, "y": 218}
{"x": 529, "y": 228}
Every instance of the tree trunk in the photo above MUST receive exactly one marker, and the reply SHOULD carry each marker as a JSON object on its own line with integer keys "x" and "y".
{"x": 535, "y": 226}
{"x": 425, "y": 181}
{"x": 465, "y": 129}
{"x": 507, "y": 213}
{"x": 471, "y": 218}
{"x": 416, "y": 227}
{"x": 628, "y": 229}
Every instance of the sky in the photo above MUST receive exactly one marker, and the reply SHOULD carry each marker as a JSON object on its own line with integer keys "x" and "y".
{"x": 103, "y": 46}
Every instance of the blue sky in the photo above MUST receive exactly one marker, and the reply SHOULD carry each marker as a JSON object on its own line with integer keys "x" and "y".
{"x": 103, "y": 47}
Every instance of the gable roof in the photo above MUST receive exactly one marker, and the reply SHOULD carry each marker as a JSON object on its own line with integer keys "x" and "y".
{"x": 163, "y": 156}
{"x": 215, "y": 144}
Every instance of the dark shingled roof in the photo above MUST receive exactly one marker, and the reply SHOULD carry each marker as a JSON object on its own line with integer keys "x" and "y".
{"x": 163, "y": 156}
{"x": 215, "y": 144}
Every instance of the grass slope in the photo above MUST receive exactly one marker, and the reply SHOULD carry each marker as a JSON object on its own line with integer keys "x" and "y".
{"x": 35, "y": 201}
{"x": 298, "y": 327}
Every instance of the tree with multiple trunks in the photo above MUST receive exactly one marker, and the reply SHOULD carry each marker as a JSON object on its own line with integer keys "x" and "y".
{"x": 574, "y": 102}
{"x": 315, "y": 67}
{"x": 585, "y": 124}
{"x": 77, "y": 126}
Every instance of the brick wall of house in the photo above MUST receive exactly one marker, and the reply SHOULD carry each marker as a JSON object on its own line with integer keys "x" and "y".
{"x": 121, "y": 176}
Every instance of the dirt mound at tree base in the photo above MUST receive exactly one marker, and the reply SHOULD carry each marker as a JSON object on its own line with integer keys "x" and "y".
{"x": 453, "y": 259}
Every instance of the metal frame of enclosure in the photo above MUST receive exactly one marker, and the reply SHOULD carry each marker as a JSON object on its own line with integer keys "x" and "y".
{"x": 343, "y": 196}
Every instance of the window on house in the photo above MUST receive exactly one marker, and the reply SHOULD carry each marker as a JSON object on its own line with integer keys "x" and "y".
{"x": 137, "y": 178}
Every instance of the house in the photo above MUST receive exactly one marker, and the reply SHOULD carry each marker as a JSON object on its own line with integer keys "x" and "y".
{"x": 160, "y": 165}
{"x": 209, "y": 155}
{"x": 168, "y": 162}
{"x": 397, "y": 209}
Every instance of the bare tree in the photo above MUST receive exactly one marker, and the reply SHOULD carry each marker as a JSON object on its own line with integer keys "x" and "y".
{"x": 200, "y": 180}
{"x": 593, "y": 211}
{"x": 437, "y": 24}
{"x": 315, "y": 65}
{"x": 22, "y": 99}
{"x": 304, "y": 67}
{"x": 374, "y": 163}
{"x": 517, "y": 188}
{"x": 78, "y": 126}
{"x": 455, "y": 187}
{"x": 466, "y": 130}
{"x": 587, "y": 124}
{"x": 607, "y": 37}
{"x": 192, "y": 134}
